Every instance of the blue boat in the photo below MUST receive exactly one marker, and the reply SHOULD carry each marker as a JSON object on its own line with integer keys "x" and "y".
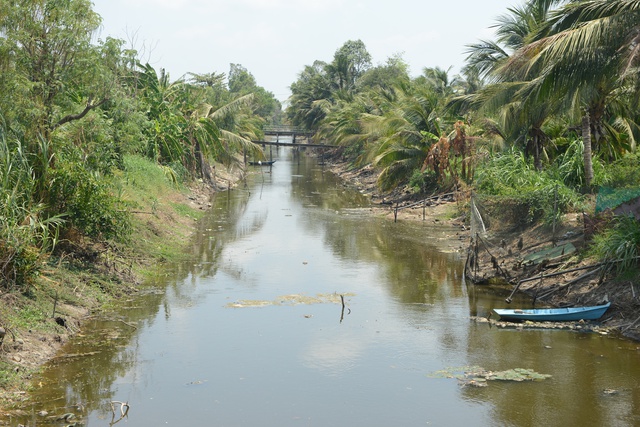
{"x": 566, "y": 314}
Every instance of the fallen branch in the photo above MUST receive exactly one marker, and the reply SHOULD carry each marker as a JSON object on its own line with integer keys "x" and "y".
{"x": 124, "y": 410}
{"x": 577, "y": 279}
{"x": 631, "y": 325}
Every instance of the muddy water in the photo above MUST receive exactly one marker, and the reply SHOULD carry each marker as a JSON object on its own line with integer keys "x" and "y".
{"x": 252, "y": 331}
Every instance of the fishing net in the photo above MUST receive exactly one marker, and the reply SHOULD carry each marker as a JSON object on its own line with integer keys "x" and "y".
{"x": 477, "y": 223}
{"x": 493, "y": 214}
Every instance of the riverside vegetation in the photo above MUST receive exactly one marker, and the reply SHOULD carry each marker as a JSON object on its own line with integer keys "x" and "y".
{"x": 97, "y": 146}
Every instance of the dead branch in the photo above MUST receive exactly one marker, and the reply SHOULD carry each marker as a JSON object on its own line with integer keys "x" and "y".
{"x": 71, "y": 117}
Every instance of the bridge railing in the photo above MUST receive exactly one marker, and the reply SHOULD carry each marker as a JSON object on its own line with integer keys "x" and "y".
{"x": 285, "y": 129}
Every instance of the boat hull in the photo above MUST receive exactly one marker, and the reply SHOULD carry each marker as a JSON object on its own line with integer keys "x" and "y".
{"x": 263, "y": 163}
{"x": 554, "y": 314}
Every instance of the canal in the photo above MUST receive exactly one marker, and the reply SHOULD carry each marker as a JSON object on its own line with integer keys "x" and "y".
{"x": 300, "y": 308}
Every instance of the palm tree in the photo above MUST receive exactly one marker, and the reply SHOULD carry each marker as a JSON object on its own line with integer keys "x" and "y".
{"x": 187, "y": 130}
{"x": 588, "y": 54}
{"x": 405, "y": 133}
{"x": 307, "y": 104}
{"x": 439, "y": 79}
{"x": 219, "y": 133}
{"x": 522, "y": 117}
{"x": 513, "y": 31}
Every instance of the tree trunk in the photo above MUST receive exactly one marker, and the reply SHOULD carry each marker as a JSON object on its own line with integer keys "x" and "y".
{"x": 586, "y": 139}
{"x": 537, "y": 152}
{"x": 203, "y": 165}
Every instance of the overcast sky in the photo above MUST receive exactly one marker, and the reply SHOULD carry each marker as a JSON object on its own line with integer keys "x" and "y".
{"x": 275, "y": 39}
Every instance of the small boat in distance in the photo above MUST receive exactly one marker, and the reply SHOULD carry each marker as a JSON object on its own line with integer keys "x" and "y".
{"x": 262, "y": 163}
{"x": 566, "y": 314}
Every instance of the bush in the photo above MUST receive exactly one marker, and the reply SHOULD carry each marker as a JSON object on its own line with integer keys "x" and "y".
{"x": 620, "y": 241}
{"x": 530, "y": 194}
{"x": 422, "y": 182}
{"x": 569, "y": 167}
{"x": 88, "y": 203}
{"x": 624, "y": 172}
{"x": 19, "y": 265}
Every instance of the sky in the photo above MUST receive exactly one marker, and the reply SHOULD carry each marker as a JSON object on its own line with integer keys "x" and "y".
{"x": 275, "y": 39}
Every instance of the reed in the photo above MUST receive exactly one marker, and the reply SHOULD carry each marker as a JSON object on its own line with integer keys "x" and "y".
{"x": 26, "y": 230}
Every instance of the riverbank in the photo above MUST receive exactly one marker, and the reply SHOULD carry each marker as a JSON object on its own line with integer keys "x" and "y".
{"x": 83, "y": 277}
{"x": 508, "y": 254}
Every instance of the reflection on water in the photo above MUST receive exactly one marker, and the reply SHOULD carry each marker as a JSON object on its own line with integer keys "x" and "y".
{"x": 179, "y": 356}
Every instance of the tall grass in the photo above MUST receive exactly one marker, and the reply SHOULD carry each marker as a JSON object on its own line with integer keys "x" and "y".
{"x": 568, "y": 167}
{"x": 620, "y": 242}
{"x": 511, "y": 179}
{"x": 24, "y": 232}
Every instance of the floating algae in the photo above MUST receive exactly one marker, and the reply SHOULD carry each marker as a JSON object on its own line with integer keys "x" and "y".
{"x": 292, "y": 299}
{"x": 477, "y": 376}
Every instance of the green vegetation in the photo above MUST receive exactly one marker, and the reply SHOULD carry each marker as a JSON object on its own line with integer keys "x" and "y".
{"x": 476, "y": 376}
{"x": 74, "y": 114}
{"x": 96, "y": 149}
{"x": 538, "y": 120}
{"x": 92, "y": 140}
{"x": 619, "y": 242}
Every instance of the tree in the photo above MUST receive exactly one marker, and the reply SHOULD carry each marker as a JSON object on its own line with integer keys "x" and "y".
{"x": 394, "y": 72}
{"x": 188, "y": 130}
{"x": 521, "y": 115}
{"x": 585, "y": 57}
{"x": 406, "y": 132}
{"x": 322, "y": 84}
{"x": 439, "y": 80}
{"x": 350, "y": 62}
{"x": 47, "y": 44}
{"x": 309, "y": 96}
{"x": 242, "y": 82}
{"x": 356, "y": 55}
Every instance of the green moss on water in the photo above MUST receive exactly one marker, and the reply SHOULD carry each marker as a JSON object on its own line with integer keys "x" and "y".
{"x": 473, "y": 375}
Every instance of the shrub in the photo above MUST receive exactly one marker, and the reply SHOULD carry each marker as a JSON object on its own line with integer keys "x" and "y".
{"x": 620, "y": 241}
{"x": 531, "y": 195}
{"x": 569, "y": 166}
{"x": 624, "y": 172}
{"x": 86, "y": 200}
{"x": 19, "y": 265}
{"x": 421, "y": 182}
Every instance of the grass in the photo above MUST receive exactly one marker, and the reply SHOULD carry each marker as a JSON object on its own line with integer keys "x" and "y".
{"x": 162, "y": 221}
{"x": 621, "y": 241}
{"x": 510, "y": 180}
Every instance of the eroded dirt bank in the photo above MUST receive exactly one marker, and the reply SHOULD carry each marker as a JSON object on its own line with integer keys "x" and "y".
{"x": 507, "y": 255}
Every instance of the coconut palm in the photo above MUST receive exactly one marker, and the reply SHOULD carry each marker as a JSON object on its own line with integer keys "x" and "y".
{"x": 521, "y": 116}
{"x": 586, "y": 58}
{"x": 513, "y": 31}
{"x": 307, "y": 105}
{"x": 405, "y": 133}
{"x": 193, "y": 132}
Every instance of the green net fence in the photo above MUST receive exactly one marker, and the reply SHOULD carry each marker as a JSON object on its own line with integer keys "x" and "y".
{"x": 611, "y": 198}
